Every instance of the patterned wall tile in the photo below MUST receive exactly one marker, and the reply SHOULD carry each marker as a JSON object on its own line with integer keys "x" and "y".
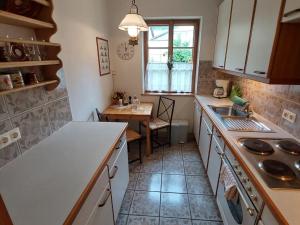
{"x": 60, "y": 91}
{"x": 34, "y": 127}
{"x": 294, "y": 93}
{"x": 10, "y": 152}
{"x": 21, "y": 101}
{"x": 3, "y": 109}
{"x": 59, "y": 113}
{"x": 292, "y": 128}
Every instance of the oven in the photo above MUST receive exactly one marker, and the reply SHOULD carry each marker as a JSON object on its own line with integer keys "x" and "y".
{"x": 240, "y": 210}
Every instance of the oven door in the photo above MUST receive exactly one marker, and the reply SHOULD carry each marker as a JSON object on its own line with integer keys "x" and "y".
{"x": 239, "y": 211}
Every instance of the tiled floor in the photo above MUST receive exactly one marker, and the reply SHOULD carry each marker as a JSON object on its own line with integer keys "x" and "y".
{"x": 169, "y": 188}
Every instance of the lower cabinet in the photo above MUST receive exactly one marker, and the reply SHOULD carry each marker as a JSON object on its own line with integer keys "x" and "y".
{"x": 119, "y": 176}
{"x": 214, "y": 164}
{"x": 197, "y": 118}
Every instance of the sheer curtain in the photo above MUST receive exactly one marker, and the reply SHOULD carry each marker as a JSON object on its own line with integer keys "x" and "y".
{"x": 181, "y": 79}
{"x": 157, "y": 77}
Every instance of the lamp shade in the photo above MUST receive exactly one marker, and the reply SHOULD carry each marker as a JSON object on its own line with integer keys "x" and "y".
{"x": 133, "y": 21}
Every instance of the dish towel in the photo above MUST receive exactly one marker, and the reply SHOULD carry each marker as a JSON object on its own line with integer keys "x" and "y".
{"x": 229, "y": 182}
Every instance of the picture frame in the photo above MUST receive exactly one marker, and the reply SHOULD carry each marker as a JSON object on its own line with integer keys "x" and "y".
{"x": 103, "y": 56}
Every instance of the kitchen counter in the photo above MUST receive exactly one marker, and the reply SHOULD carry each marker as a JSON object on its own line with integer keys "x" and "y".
{"x": 42, "y": 186}
{"x": 284, "y": 204}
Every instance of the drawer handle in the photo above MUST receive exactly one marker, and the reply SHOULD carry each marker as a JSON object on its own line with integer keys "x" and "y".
{"x": 105, "y": 198}
{"x": 239, "y": 69}
{"x": 219, "y": 153}
{"x": 208, "y": 132}
{"x": 291, "y": 12}
{"x": 116, "y": 168}
{"x": 259, "y": 72}
{"x": 119, "y": 146}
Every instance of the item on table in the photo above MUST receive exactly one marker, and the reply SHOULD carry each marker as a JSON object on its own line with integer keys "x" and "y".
{"x": 130, "y": 100}
{"x": 16, "y": 52}
{"x": 17, "y": 79}
{"x": 116, "y": 96}
{"x": 135, "y": 103}
{"x": 5, "y": 82}
{"x": 42, "y": 53}
{"x": 120, "y": 102}
{"x": 32, "y": 51}
{"x": 30, "y": 78}
{"x": 235, "y": 91}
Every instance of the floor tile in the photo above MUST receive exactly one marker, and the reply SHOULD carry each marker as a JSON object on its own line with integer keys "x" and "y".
{"x": 174, "y": 221}
{"x": 204, "y": 207}
{"x": 174, "y": 205}
{"x": 145, "y": 203}
{"x": 142, "y": 220}
{"x": 122, "y": 219}
{"x": 134, "y": 167}
{"x": 132, "y": 180}
{"x": 173, "y": 183}
{"x": 172, "y": 155}
{"x": 148, "y": 182}
{"x": 191, "y": 155}
{"x": 173, "y": 167}
{"x": 198, "y": 185}
{"x": 151, "y": 166}
{"x": 156, "y": 155}
{"x": 125, "y": 207}
{"x": 203, "y": 222}
{"x": 194, "y": 168}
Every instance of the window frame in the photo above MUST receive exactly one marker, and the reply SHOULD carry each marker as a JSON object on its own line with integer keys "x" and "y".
{"x": 171, "y": 23}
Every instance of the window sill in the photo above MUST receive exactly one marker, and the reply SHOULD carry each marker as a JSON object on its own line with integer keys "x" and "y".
{"x": 168, "y": 94}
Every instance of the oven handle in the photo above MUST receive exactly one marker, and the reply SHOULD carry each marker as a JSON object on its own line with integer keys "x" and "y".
{"x": 249, "y": 209}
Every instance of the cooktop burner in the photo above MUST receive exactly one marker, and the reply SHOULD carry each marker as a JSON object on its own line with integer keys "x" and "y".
{"x": 289, "y": 146}
{"x": 278, "y": 170}
{"x": 258, "y": 147}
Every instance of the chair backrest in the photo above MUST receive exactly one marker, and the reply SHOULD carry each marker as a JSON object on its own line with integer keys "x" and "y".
{"x": 101, "y": 118}
{"x": 165, "y": 109}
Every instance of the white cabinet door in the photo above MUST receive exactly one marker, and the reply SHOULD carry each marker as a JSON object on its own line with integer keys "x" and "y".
{"x": 262, "y": 38}
{"x": 291, "y": 11}
{"x": 239, "y": 34}
{"x": 103, "y": 212}
{"x": 214, "y": 164}
{"x": 119, "y": 178}
{"x": 222, "y": 33}
{"x": 197, "y": 117}
{"x": 204, "y": 141}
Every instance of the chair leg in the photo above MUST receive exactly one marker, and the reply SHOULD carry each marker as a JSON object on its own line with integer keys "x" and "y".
{"x": 170, "y": 132}
{"x": 140, "y": 151}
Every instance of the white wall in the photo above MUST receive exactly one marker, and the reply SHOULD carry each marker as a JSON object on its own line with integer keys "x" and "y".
{"x": 128, "y": 75}
{"x": 79, "y": 23}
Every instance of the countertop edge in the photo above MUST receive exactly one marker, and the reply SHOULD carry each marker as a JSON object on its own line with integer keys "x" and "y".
{"x": 79, "y": 203}
{"x": 279, "y": 216}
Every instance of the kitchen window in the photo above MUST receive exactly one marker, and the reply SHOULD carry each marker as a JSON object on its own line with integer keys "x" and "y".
{"x": 170, "y": 56}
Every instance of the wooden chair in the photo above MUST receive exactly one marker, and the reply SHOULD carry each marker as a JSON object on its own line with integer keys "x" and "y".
{"x": 131, "y": 136}
{"x": 163, "y": 120}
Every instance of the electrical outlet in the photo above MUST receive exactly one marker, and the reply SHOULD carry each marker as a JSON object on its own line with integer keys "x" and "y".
{"x": 15, "y": 134}
{"x": 5, "y": 140}
{"x": 289, "y": 116}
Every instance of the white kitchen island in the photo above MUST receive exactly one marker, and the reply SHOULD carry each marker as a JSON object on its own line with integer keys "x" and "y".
{"x": 50, "y": 182}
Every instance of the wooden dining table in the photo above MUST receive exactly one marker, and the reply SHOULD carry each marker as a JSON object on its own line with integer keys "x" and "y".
{"x": 143, "y": 113}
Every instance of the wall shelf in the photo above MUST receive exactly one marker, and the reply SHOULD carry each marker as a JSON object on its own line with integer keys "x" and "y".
{"x": 21, "y": 41}
{"x": 17, "y": 20}
{"x": 41, "y": 84}
{"x": 42, "y": 2}
{"x": 7, "y": 65}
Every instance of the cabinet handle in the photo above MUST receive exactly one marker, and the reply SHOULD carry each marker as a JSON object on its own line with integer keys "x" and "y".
{"x": 119, "y": 146}
{"x": 208, "y": 132}
{"x": 219, "y": 153}
{"x": 105, "y": 198}
{"x": 116, "y": 168}
{"x": 239, "y": 69}
{"x": 291, "y": 12}
{"x": 259, "y": 72}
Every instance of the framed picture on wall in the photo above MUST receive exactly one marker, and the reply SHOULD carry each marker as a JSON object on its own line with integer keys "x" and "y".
{"x": 103, "y": 56}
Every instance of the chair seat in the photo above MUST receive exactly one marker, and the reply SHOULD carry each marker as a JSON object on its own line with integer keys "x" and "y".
{"x": 157, "y": 123}
{"x": 132, "y": 135}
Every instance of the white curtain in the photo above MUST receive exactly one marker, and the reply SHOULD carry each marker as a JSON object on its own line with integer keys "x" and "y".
{"x": 157, "y": 77}
{"x": 182, "y": 75}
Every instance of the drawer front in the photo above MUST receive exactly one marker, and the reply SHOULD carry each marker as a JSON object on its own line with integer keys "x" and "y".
{"x": 116, "y": 152}
{"x": 207, "y": 120}
{"x": 119, "y": 178}
{"x": 93, "y": 198}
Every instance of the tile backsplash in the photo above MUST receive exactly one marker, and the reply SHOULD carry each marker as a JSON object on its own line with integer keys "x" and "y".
{"x": 267, "y": 100}
{"x": 37, "y": 112}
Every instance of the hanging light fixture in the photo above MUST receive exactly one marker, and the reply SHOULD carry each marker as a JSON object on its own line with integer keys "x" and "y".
{"x": 133, "y": 23}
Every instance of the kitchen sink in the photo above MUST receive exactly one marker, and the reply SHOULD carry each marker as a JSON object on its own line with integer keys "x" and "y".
{"x": 235, "y": 120}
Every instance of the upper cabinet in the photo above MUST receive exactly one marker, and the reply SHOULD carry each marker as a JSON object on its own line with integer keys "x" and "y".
{"x": 263, "y": 42}
{"x": 239, "y": 33}
{"x": 222, "y": 33}
{"x": 262, "y": 38}
{"x": 291, "y": 11}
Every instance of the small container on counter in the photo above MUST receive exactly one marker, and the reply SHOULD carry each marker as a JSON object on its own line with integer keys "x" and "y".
{"x": 17, "y": 80}
{"x": 30, "y": 78}
{"x": 5, "y": 82}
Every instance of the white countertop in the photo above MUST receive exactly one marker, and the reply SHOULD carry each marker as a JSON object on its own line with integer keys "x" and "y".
{"x": 286, "y": 201}
{"x": 42, "y": 186}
